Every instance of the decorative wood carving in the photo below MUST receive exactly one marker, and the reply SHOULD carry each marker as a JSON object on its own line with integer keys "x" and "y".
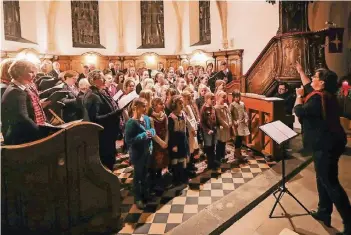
{"x": 293, "y": 16}
{"x": 152, "y": 24}
{"x": 265, "y": 71}
{"x": 277, "y": 61}
{"x": 292, "y": 52}
{"x": 204, "y": 22}
{"x": 85, "y": 24}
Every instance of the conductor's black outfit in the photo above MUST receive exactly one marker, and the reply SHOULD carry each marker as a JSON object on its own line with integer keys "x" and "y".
{"x": 324, "y": 135}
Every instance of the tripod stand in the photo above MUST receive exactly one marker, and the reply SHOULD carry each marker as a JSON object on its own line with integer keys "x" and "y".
{"x": 280, "y": 134}
{"x": 282, "y": 189}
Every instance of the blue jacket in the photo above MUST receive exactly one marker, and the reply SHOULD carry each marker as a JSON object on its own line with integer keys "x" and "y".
{"x": 136, "y": 139}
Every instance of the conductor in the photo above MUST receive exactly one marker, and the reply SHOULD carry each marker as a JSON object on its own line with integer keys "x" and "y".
{"x": 316, "y": 105}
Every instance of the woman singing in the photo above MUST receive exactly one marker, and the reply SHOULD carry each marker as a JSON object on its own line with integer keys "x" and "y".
{"x": 316, "y": 106}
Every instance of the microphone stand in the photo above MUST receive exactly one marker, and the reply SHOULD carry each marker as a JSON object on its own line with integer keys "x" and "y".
{"x": 213, "y": 76}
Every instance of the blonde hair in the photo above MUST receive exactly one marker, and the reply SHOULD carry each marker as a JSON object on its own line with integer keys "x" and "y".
{"x": 4, "y": 70}
{"x": 186, "y": 95}
{"x": 146, "y": 82}
{"x": 220, "y": 93}
{"x": 209, "y": 95}
{"x": 127, "y": 82}
{"x": 19, "y": 67}
{"x": 202, "y": 86}
{"x": 218, "y": 84}
{"x": 188, "y": 89}
{"x": 147, "y": 95}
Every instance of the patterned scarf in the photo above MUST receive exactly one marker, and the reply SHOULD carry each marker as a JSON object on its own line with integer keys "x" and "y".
{"x": 39, "y": 115}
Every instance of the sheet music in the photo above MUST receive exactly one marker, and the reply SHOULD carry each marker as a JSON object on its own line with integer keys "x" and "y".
{"x": 62, "y": 126}
{"x": 272, "y": 98}
{"x": 117, "y": 95}
{"x": 278, "y": 131}
{"x": 127, "y": 99}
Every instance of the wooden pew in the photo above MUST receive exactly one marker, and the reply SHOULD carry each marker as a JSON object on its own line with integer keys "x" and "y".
{"x": 57, "y": 185}
{"x": 262, "y": 110}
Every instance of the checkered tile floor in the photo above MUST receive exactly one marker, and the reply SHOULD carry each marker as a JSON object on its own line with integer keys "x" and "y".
{"x": 176, "y": 205}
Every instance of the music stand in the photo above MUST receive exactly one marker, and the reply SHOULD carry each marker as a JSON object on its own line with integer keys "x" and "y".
{"x": 280, "y": 134}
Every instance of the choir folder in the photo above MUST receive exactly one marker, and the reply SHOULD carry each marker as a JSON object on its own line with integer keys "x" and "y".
{"x": 278, "y": 131}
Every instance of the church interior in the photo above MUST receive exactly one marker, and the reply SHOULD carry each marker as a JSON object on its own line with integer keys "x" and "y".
{"x": 142, "y": 117}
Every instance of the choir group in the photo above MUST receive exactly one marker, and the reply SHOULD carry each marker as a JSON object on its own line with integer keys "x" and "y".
{"x": 165, "y": 118}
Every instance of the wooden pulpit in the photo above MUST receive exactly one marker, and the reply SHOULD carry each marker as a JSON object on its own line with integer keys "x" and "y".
{"x": 263, "y": 110}
{"x": 58, "y": 185}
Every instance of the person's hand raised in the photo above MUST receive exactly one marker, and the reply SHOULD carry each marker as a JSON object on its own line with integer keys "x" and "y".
{"x": 299, "y": 67}
{"x": 300, "y": 91}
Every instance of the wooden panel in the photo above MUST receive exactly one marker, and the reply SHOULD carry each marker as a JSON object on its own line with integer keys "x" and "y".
{"x": 260, "y": 112}
{"x": 76, "y": 62}
{"x": 45, "y": 185}
{"x": 265, "y": 71}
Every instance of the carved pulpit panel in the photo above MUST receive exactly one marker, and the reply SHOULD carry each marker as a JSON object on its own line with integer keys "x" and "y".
{"x": 152, "y": 24}
{"x": 12, "y": 20}
{"x": 205, "y": 22}
{"x": 85, "y": 24}
{"x": 292, "y": 52}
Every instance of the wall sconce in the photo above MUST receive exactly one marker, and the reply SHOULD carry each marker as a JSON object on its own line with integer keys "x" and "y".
{"x": 199, "y": 56}
{"x": 29, "y": 55}
{"x": 150, "y": 58}
{"x": 91, "y": 58}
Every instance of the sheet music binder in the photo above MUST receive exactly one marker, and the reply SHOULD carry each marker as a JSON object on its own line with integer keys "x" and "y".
{"x": 278, "y": 131}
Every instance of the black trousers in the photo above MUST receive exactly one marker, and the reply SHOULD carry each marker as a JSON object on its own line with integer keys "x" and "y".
{"x": 329, "y": 188}
{"x": 220, "y": 150}
{"x": 210, "y": 153}
{"x": 238, "y": 141}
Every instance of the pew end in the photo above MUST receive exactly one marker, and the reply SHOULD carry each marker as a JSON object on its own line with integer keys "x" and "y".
{"x": 58, "y": 185}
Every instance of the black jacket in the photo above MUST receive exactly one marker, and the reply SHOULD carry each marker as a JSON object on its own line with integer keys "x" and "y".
{"x": 17, "y": 116}
{"x": 222, "y": 75}
{"x": 289, "y": 101}
{"x": 321, "y": 126}
{"x": 54, "y": 74}
{"x": 99, "y": 109}
{"x": 72, "y": 107}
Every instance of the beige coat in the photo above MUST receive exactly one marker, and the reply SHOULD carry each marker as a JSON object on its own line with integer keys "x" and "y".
{"x": 192, "y": 126}
{"x": 224, "y": 122}
{"x": 240, "y": 118}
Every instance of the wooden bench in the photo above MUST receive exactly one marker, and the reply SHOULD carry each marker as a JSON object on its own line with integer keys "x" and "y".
{"x": 57, "y": 185}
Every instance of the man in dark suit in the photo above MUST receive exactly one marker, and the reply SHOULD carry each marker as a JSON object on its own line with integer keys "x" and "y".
{"x": 85, "y": 73}
{"x": 225, "y": 74}
{"x": 21, "y": 110}
{"x": 55, "y": 70}
{"x": 288, "y": 97}
{"x": 115, "y": 68}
